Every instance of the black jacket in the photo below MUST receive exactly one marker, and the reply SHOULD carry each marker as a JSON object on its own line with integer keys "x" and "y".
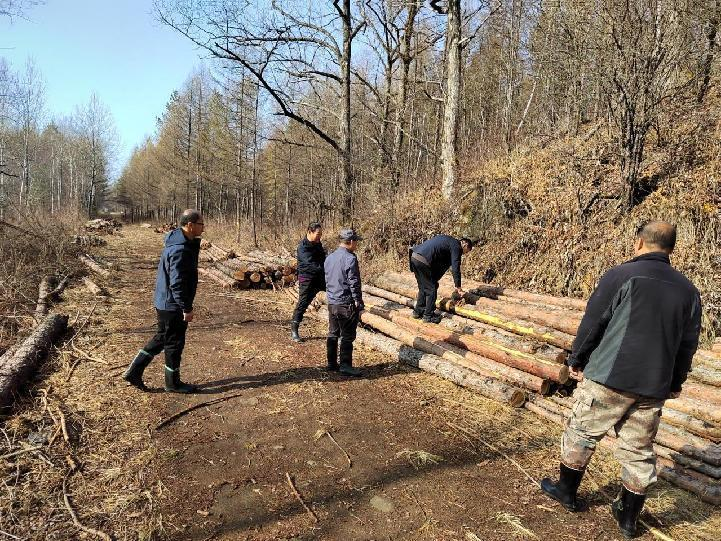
{"x": 641, "y": 328}
{"x": 442, "y": 252}
{"x": 311, "y": 257}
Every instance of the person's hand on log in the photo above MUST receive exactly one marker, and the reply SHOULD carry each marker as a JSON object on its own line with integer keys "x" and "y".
{"x": 187, "y": 317}
{"x": 575, "y": 373}
{"x": 674, "y": 394}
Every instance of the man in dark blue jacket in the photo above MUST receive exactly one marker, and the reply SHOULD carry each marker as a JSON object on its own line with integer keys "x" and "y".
{"x": 429, "y": 261}
{"x": 632, "y": 351}
{"x": 311, "y": 277}
{"x": 345, "y": 302}
{"x": 175, "y": 286}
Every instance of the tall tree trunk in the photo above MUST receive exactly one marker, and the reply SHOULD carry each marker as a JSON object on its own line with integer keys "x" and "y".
{"x": 345, "y": 124}
{"x": 449, "y": 150}
{"x": 711, "y": 31}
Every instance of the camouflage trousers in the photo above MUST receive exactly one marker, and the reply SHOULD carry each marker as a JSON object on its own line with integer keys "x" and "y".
{"x": 633, "y": 419}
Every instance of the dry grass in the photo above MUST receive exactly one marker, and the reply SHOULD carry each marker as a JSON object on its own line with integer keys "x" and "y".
{"x": 105, "y": 458}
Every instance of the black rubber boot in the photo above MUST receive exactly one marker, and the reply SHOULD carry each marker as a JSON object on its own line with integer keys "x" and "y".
{"x": 134, "y": 373}
{"x": 346, "y": 360}
{"x": 565, "y": 490}
{"x": 435, "y": 318}
{"x": 173, "y": 384}
{"x": 294, "y": 325}
{"x": 626, "y": 509}
{"x": 331, "y": 346}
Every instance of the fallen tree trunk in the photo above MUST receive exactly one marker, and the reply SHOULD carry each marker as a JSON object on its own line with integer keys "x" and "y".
{"x": 520, "y": 327}
{"x": 489, "y": 350}
{"x": 436, "y": 365}
{"x": 465, "y": 325}
{"x": 91, "y": 286}
{"x": 47, "y": 291}
{"x": 94, "y": 265}
{"x": 17, "y": 367}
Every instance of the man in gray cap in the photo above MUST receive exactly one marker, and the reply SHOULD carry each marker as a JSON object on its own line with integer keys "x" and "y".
{"x": 345, "y": 302}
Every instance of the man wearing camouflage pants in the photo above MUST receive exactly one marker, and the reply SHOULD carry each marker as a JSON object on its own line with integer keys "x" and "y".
{"x": 632, "y": 351}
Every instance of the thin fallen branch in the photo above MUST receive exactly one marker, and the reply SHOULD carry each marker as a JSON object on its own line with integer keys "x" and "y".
{"x": 85, "y": 322}
{"x": 347, "y": 456}
{"x": 194, "y": 407}
{"x": 86, "y": 529}
{"x": 21, "y": 452}
{"x": 300, "y": 498}
{"x": 64, "y": 426}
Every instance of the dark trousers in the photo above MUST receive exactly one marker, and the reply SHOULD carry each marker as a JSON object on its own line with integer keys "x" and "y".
{"x": 170, "y": 337}
{"x": 307, "y": 290}
{"x": 427, "y": 288}
{"x": 342, "y": 325}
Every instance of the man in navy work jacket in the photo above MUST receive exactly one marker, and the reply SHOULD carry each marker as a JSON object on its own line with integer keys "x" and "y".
{"x": 345, "y": 302}
{"x": 311, "y": 275}
{"x": 632, "y": 351}
{"x": 429, "y": 261}
{"x": 175, "y": 286}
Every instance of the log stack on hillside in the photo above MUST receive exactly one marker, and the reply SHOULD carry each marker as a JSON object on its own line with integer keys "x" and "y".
{"x": 511, "y": 346}
{"x": 255, "y": 270}
{"x": 102, "y": 226}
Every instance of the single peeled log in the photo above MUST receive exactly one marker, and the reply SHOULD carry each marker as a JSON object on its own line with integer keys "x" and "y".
{"x": 487, "y": 349}
{"x": 704, "y": 374}
{"x": 704, "y": 393}
{"x": 711, "y": 431}
{"x": 472, "y": 327}
{"x": 218, "y": 277}
{"x": 17, "y": 365}
{"x": 93, "y": 265}
{"x": 436, "y": 365}
{"x": 696, "y": 408}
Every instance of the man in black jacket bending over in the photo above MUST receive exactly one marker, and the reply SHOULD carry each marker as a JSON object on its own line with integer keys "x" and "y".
{"x": 311, "y": 276}
{"x": 429, "y": 261}
{"x": 632, "y": 351}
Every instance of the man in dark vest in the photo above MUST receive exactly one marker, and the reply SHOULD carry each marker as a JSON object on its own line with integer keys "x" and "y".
{"x": 311, "y": 277}
{"x": 429, "y": 261}
{"x": 345, "y": 302}
{"x": 633, "y": 350}
{"x": 175, "y": 286}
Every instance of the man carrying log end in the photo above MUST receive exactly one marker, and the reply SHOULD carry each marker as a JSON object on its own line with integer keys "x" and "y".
{"x": 175, "y": 286}
{"x": 633, "y": 350}
{"x": 429, "y": 261}
{"x": 345, "y": 302}
{"x": 311, "y": 276}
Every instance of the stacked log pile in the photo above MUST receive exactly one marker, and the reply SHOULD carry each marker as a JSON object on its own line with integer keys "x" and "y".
{"x": 255, "y": 270}
{"x": 102, "y": 226}
{"x": 165, "y": 228}
{"x": 511, "y": 346}
{"x": 89, "y": 240}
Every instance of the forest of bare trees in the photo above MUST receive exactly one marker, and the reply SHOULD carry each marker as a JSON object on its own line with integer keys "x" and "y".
{"x": 46, "y": 164}
{"x": 324, "y": 109}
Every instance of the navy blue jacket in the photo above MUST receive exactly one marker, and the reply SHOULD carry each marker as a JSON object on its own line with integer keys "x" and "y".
{"x": 177, "y": 278}
{"x": 342, "y": 278}
{"x": 311, "y": 257}
{"x": 641, "y": 328}
{"x": 442, "y": 252}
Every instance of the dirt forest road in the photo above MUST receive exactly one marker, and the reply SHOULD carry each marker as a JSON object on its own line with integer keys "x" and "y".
{"x": 395, "y": 455}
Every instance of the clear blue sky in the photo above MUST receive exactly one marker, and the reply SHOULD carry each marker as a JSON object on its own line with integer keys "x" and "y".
{"x": 114, "y": 48}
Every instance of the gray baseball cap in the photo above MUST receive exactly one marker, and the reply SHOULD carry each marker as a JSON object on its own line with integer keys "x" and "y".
{"x": 349, "y": 234}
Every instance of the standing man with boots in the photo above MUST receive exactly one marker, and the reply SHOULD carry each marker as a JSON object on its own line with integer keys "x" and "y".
{"x": 345, "y": 302}
{"x": 311, "y": 275}
{"x": 175, "y": 286}
{"x": 429, "y": 261}
{"x": 633, "y": 350}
